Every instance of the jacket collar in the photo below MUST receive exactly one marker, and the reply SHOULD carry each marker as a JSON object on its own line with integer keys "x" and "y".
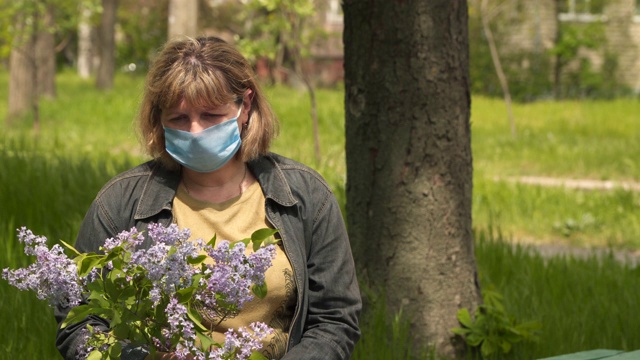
{"x": 161, "y": 185}
{"x": 158, "y": 192}
{"x": 272, "y": 180}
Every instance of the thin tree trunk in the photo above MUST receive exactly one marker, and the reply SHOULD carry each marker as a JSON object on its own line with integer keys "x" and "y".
{"x": 106, "y": 70}
{"x": 22, "y": 69}
{"x": 46, "y": 57}
{"x": 183, "y": 16}
{"x": 85, "y": 53}
{"x": 495, "y": 57}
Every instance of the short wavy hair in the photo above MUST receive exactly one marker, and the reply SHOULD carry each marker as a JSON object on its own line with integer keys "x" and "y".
{"x": 205, "y": 72}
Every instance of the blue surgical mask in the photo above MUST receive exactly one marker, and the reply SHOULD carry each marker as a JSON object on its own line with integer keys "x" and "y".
{"x": 207, "y": 150}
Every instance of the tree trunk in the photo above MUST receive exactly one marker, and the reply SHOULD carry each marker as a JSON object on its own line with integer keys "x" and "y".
{"x": 85, "y": 49}
{"x": 409, "y": 164}
{"x": 106, "y": 69}
{"x": 183, "y": 16}
{"x": 46, "y": 56}
{"x": 21, "y": 68}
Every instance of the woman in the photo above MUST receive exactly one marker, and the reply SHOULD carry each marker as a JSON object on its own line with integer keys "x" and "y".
{"x": 208, "y": 127}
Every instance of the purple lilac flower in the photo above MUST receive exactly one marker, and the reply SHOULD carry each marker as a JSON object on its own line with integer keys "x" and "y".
{"x": 242, "y": 342}
{"x": 168, "y": 235}
{"x": 166, "y": 261}
{"x": 259, "y": 262}
{"x": 182, "y": 327}
{"x": 84, "y": 349}
{"x": 31, "y": 241}
{"x": 129, "y": 240}
{"x": 228, "y": 283}
{"x": 53, "y": 276}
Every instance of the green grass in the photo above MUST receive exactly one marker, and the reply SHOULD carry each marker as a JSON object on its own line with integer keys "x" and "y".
{"x": 583, "y": 304}
{"x": 535, "y": 214}
{"x": 595, "y": 139}
{"x": 49, "y": 177}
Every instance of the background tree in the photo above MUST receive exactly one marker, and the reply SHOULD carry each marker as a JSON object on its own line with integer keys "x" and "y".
{"x": 45, "y": 59}
{"x": 22, "y": 97}
{"x": 106, "y": 37}
{"x": 409, "y": 165}
{"x": 38, "y": 30}
{"x": 32, "y": 59}
{"x": 86, "y": 53}
{"x": 183, "y": 18}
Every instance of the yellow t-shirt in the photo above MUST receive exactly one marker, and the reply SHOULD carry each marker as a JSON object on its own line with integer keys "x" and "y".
{"x": 236, "y": 219}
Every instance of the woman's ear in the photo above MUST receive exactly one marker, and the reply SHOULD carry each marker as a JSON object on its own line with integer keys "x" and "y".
{"x": 247, "y": 99}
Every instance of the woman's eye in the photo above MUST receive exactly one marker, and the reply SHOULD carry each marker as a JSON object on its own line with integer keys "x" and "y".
{"x": 177, "y": 119}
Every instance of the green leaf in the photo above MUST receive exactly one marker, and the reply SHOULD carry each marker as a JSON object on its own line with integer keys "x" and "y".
{"x": 77, "y": 314}
{"x": 195, "y": 317}
{"x": 127, "y": 294}
{"x": 461, "y": 331}
{"x": 474, "y": 339}
{"x": 506, "y": 346}
{"x": 205, "y": 341}
{"x": 70, "y": 248}
{"x": 184, "y": 295}
{"x": 261, "y": 235}
{"x": 115, "y": 350}
{"x": 212, "y": 242}
{"x": 95, "y": 355}
{"x": 88, "y": 262}
{"x": 116, "y": 319}
{"x": 172, "y": 250}
{"x": 196, "y": 260}
{"x": 260, "y": 290}
{"x": 487, "y": 348}
{"x": 465, "y": 318}
{"x": 96, "y": 299}
{"x": 257, "y": 356}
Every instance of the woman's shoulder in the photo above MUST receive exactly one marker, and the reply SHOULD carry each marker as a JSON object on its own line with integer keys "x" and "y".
{"x": 292, "y": 169}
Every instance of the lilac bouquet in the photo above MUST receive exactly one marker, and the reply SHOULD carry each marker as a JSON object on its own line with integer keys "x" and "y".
{"x": 150, "y": 296}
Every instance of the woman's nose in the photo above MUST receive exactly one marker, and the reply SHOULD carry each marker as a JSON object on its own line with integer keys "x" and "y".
{"x": 195, "y": 125}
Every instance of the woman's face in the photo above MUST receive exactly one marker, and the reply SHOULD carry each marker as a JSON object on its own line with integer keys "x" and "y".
{"x": 193, "y": 119}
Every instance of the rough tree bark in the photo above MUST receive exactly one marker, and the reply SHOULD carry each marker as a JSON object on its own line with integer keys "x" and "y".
{"x": 106, "y": 69}
{"x": 409, "y": 164}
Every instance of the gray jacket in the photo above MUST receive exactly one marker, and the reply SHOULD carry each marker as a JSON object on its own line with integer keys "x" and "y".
{"x": 299, "y": 204}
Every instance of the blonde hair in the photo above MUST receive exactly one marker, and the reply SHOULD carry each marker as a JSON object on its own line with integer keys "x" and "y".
{"x": 205, "y": 72}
